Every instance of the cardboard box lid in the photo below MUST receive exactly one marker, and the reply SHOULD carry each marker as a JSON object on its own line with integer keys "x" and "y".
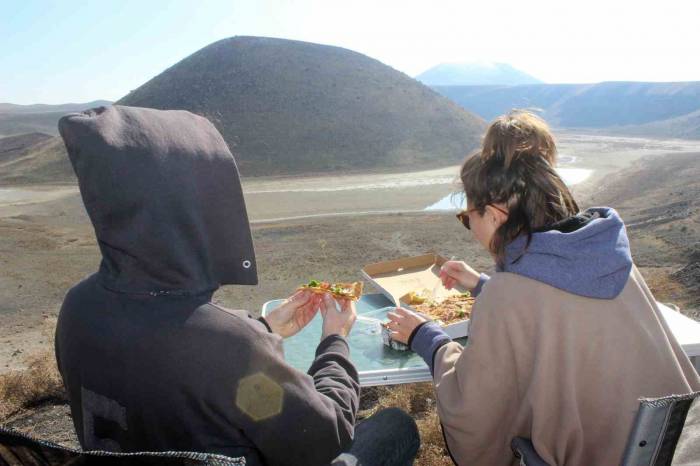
{"x": 396, "y": 278}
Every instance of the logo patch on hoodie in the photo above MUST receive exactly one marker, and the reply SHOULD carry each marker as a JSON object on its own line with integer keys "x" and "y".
{"x": 259, "y": 396}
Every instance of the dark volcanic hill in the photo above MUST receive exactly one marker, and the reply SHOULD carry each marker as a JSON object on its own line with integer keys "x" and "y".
{"x": 292, "y": 107}
{"x": 603, "y": 105}
{"x": 476, "y": 73}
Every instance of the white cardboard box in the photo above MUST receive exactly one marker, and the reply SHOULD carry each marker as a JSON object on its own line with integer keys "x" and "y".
{"x": 397, "y": 278}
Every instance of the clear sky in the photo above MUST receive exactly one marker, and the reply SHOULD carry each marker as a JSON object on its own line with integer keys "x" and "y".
{"x": 77, "y": 51}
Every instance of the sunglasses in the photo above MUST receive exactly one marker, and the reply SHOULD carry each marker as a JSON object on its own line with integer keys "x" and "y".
{"x": 463, "y": 216}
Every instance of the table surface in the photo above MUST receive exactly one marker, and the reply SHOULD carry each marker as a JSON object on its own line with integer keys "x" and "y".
{"x": 380, "y": 365}
{"x": 365, "y": 340}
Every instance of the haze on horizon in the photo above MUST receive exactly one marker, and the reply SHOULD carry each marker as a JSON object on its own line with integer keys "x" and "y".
{"x": 57, "y": 52}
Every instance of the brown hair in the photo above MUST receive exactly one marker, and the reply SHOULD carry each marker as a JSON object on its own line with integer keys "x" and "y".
{"x": 515, "y": 167}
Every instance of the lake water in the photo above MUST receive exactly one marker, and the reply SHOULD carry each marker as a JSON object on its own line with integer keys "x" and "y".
{"x": 456, "y": 201}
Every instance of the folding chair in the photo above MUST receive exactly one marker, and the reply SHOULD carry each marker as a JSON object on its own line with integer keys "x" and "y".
{"x": 654, "y": 437}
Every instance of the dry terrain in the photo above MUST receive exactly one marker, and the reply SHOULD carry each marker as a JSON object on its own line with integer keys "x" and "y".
{"x": 331, "y": 226}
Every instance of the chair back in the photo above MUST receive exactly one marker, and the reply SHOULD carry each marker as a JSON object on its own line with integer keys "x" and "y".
{"x": 657, "y": 430}
{"x": 664, "y": 429}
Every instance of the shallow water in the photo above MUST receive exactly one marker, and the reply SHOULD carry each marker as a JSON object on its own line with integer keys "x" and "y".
{"x": 456, "y": 201}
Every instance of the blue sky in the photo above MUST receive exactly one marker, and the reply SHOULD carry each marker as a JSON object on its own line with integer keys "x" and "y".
{"x": 71, "y": 51}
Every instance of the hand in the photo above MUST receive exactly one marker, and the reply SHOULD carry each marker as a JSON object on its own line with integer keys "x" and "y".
{"x": 402, "y": 323}
{"x": 458, "y": 272}
{"x": 337, "y": 322}
{"x": 294, "y": 313}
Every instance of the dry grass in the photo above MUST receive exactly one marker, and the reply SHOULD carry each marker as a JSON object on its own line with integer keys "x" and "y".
{"x": 419, "y": 401}
{"x": 39, "y": 382}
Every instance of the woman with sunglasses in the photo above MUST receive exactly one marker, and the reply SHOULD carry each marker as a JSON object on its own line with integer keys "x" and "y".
{"x": 564, "y": 337}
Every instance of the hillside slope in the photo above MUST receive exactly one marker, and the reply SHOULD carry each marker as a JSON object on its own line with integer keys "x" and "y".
{"x": 21, "y": 119}
{"x": 43, "y": 160}
{"x": 293, "y": 107}
{"x": 603, "y": 105}
{"x": 659, "y": 199}
{"x": 684, "y": 127}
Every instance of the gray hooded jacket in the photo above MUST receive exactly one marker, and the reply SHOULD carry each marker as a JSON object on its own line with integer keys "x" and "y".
{"x": 148, "y": 361}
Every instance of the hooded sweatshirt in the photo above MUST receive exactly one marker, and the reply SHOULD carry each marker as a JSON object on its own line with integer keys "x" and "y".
{"x": 149, "y": 363}
{"x": 563, "y": 341}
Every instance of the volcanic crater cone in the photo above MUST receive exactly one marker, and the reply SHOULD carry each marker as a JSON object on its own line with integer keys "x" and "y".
{"x": 290, "y": 107}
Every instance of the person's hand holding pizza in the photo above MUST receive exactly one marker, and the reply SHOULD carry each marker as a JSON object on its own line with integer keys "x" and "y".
{"x": 402, "y": 323}
{"x": 337, "y": 322}
{"x": 294, "y": 314}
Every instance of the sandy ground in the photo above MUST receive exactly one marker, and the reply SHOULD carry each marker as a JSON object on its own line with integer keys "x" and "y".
{"x": 47, "y": 242}
{"x": 330, "y": 226}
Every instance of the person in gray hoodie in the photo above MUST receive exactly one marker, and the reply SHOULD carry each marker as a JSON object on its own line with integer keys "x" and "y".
{"x": 150, "y": 363}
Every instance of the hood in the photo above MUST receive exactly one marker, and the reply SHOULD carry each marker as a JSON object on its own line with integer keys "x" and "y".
{"x": 164, "y": 195}
{"x": 587, "y": 255}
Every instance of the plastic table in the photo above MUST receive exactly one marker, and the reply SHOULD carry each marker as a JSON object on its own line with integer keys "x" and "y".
{"x": 380, "y": 365}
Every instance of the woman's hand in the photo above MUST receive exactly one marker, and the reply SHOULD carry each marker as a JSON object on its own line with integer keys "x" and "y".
{"x": 402, "y": 323}
{"x": 294, "y": 314}
{"x": 337, "y": 322}
{"x": 458, "y": 272}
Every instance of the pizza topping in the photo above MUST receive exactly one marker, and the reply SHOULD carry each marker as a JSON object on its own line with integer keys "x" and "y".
{"x": 418, "y": 297}
{"x": 448, "y": 310}
{"x": 344, "y": 290}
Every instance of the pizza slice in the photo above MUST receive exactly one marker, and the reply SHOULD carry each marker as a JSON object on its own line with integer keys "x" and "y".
{"x": 351, "y": 291}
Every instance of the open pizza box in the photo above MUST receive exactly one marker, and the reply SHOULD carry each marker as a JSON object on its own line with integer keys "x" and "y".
{"x": 399, "y": 277}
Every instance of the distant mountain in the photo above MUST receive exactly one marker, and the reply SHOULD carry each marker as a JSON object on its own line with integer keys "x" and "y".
{"x": 43, "y": 108}
{"x": 19, "y": 119}
{"x": 294, "y": 107}
{"x": 602, "y": 105}
{"x": 475, "y": 73}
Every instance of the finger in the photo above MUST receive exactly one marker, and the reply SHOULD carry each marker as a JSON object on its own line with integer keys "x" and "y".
{"x": 309, "y": 306}
{"x": 444, "y": 279}
{"x": 299, "y": 298}
{"x": 397, "y": 336}
{"x": 403, "y": 312}
{"x": 394, "y": 316}
{"x": 328, "y": 303}
{"x": 348, "y": 306}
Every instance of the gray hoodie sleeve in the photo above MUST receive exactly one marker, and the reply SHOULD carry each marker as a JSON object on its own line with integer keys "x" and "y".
{"x": 291, "y": 417}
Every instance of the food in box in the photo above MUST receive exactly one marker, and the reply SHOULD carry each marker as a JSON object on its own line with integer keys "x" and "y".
{"x": 414, "y": 283}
